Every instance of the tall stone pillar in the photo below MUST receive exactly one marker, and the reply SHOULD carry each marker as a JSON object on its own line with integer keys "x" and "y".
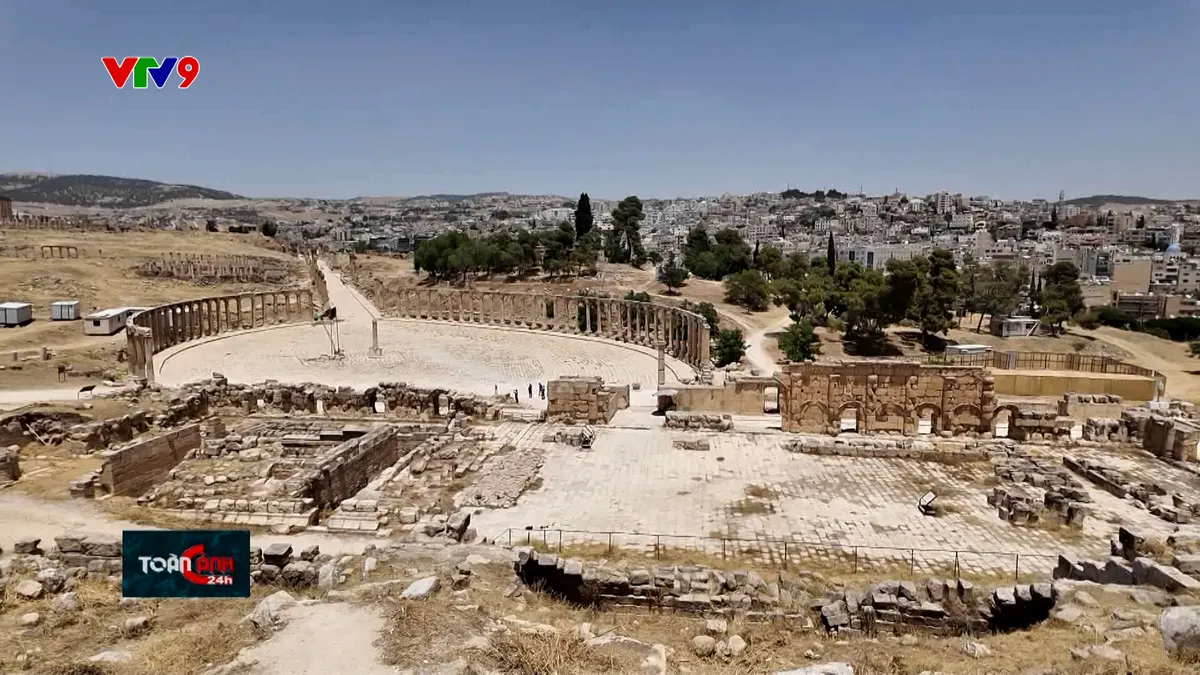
{"x": 148, "y": 362}
{"x": 587, "y": 315}
{"x": 375, "y": 351}
{"x": 662, "y": 363}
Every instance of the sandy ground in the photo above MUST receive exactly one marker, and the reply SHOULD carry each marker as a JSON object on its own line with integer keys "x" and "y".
{"x": 16, "y": 398}
{"x": 103, "y": 276}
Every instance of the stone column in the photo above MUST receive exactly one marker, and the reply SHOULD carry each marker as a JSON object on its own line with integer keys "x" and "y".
{"x": 587, "y": 315}
{"x": 662, "y": 363}
{"x": 148, "y": 362}
{"x": 375, "y": 351}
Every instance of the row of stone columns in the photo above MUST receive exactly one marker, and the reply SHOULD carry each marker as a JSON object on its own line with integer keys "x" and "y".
{"x": 684, "y": 335}
{"x": 161, "y": 327}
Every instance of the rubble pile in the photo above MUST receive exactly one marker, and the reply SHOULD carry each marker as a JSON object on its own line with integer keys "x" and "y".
{"x": 1155, "y": 498}
{"x": 677, "y": 419}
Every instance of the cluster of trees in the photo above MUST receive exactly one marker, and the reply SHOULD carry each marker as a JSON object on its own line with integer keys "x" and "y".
{"x": 569, "y": 249}
{"x": 557, "y": 252}
{"x": 862, "y": 301}
{"x": 819, "y": 195}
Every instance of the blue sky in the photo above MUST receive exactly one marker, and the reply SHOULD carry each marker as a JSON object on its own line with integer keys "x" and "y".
{"x": 1014, "y": 98}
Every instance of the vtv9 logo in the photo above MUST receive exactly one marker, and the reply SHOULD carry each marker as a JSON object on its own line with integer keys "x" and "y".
{"x": 147, "y": 68}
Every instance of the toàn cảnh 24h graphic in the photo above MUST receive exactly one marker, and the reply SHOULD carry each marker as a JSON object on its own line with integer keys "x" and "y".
{"x": 145, "y": 69}
{"x": 185, "y": 564}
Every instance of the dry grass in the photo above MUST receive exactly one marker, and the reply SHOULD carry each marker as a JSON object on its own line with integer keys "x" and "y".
{"x": 557, "y": 654}
{"x": 186, "y": 637}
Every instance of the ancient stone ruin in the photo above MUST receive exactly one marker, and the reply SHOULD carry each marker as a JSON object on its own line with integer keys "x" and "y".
{"x": 878, "y": 396}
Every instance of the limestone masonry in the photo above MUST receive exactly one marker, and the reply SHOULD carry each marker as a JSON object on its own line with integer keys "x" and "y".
{"x": 885, "y": 396}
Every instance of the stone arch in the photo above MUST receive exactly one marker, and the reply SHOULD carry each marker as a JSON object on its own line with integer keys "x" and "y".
{"x": 936, "y": 423}
{"x": 859, "y": 417}
{"x": 812, "y": 415}
{"x": 889, "y": 417}
{"x": 1003, "y": 417}
{"x": 957, "y": 422}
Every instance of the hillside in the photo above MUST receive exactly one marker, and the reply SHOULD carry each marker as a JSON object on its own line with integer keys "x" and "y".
{"x": 1097, "y": 200}
{"x": 105, "y": 191}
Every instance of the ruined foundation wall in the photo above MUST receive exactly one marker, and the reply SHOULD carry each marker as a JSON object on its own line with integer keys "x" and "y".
{"x": 885, "y": 396}
{"x": 135, "y": 468}
{"x": 1171, "y": 438}
{"x": 740, "y": 396}
{"x": 350, "y": 466}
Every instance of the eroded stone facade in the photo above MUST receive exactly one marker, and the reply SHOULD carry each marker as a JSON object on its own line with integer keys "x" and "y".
{"x": 584, "y": 399}
{"x": 885, "y": 396}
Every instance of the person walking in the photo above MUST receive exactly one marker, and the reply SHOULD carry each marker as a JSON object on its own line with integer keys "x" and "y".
{"x": 531, "y": 391}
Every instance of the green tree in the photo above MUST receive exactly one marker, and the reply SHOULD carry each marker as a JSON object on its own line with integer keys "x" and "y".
{"x": 860, "y": 299}
{"x": 748, "y": 289}
{"x": 770, "y": 262}
{"x": 998, "y": 290}
{"x": 730, "y": 347}
{"x": 672, "y": 275}
{"x": 269, "y": 228}
{"x": 583, "y": 216}
{"x": 799, "y": 342}
{"x": 831, "y": 254}
{"x": 935, "y": 304}
{"x": 706, "y": 310}
{"x": 1061, "y": 296}
{"x": 624, "y": 242}
{"x": 716, "y": 257}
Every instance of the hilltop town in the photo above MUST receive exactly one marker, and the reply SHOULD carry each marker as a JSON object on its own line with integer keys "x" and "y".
{"x": 800, "y": 433}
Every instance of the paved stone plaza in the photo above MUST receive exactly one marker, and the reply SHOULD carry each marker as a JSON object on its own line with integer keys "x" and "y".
{"x": 462, "y": 357}
{"x": 634, "y": 481}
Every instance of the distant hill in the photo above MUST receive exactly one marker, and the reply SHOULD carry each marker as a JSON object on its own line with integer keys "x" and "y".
{"x": 1097, "y": 200}
{"x": 104, "y": 191}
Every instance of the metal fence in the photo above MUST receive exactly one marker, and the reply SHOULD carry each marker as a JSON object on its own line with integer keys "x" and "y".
{"x": 785, "y": 553}
{"x": 1044, "y": 361}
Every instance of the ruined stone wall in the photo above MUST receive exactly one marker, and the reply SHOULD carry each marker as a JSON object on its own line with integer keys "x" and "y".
{"x": 1171, "y": 438}
{"x": 138, "y": 466}
{"x": 677, "y": 419}
{"x": 159, "y": 328}
{"x": 1080, "y": 407}
{"x": 739, "y": 396}
{"x": 397, "y": 398}
{"x": 10, "y": 469}
{"x": 216, "y": 268}
{"x": 584, "y": 399}
{"x": 885, "y": 396}
{"x": 685, "y": 334}
{"x": 350, "y": 466}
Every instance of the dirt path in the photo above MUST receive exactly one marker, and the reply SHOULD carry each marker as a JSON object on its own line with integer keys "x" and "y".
{"x": 15, "y": 398}
{"x": 757, "y": 354}
{"x": 322, "y": 639}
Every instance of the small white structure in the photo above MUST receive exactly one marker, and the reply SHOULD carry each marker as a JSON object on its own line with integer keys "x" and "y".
{"x": 15, "y": 313}
{"x": 108, "y": 321}
{"x": 1013, "y": 326}
{"x": 952, "y": 350}
{"x": 64, "y": 310}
